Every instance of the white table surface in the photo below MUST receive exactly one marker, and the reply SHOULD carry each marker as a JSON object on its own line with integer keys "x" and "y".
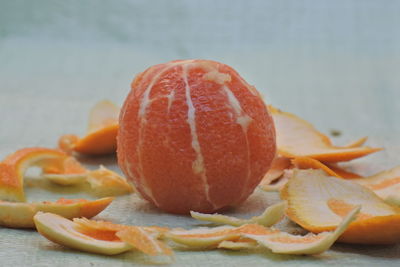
{"x": 335, "y": 63}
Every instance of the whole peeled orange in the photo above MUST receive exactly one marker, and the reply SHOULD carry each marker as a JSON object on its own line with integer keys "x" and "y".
{"x": 194, "y": 136}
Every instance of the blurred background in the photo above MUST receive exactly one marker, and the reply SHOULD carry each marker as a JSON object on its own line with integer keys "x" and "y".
{"x": 335, "y": 63}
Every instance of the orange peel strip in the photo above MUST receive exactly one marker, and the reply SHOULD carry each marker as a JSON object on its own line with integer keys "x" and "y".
{"x": 284, "y": 243}
{"x": 13, "y": 167}
{"x": 100, "y": 237}
{"x": 270, "y": 216}
{"x": 209, "y": 238}
{"x": 297, "y": 137}
{"x": 20, "y": 215}
{"x": 64, "y": 232}
{"x": 275, "y": 240}
{"x": 278, "y": 184}
{"x": 332, "y": 170}
{"x": 318, "y": 203}
{"x": 278, "y": 166}
{"x": 357, "y": 143}
{"x": 385, "y": 184}
{"x": 101, "y": 137}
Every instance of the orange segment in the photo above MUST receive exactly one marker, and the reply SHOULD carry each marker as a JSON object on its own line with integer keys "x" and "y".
{"x": 269, "y": 217}
{"x": 330, "y": 169}
{"x": 318, "y": 203}
{"x": 298, "y": 138}
{"x": 385, "y": 184}
{"x": 13, "y": 167}
{"x": 20, "y": 215}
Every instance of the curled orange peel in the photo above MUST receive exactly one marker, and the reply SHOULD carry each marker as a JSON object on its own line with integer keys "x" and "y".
{"x": 101, "y": 137}
{"x": 13, "y": 167}
{"x": 270, "y": 216}
{"x": 278, "y": 166}
{"x": 318, "y": 203}
{"x": 20, "y": 215}
{"x": 330, "y": 169}
{"x": 298, "y": 138}
{"x": 103, "y": 182}
{"x": 385, "y": 184}
{"x": 247, "y": 235}
{"x": 100, "y": 237}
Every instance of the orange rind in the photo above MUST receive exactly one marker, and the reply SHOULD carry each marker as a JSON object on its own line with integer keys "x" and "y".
{"x": 330, "y": 169}
{"x": 210, "y": 238}
{"x": 71, "y": 172}
{"x": 64, "y": 232}
{"x": 20, "y": 215}
{"x": 278, "y": 167}
{"x": 298, "y": 138}
{"x": 310, "y": 244}
{"x": 103, "y": 182}
{"x": 234, "y": 238}
{"x": 13, "y": 167}
{"x": 385, "y": 184}
{"x": 318, "y": 203}
{"x": 278, "y": 184}
{"x": 101, "y": 138}
{"x": 100, "y": 237}
{"x": 270, "y": 216}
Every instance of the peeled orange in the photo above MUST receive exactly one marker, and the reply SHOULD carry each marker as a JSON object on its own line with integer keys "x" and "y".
{"x": 194, "y": 136}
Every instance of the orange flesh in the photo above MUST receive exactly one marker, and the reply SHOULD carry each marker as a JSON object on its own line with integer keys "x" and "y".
{"x": 180, "y": 141}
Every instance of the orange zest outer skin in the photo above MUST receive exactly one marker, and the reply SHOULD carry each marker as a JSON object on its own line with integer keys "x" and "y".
{"x": 326, "y": 152}
{"x": 385, "y": 229}
{"x": 310, "y": 163}
{"x": 99, "y": 142}
{"x": 12, "y": 169}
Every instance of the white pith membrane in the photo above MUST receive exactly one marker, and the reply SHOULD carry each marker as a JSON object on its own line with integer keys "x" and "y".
{"x": 385, "y": 184}
{"x": 244, "y": 121}
{"x": 64, "y": 232}
{"x": 198, "y": 164}
{"x": 297, "y": 137}
{"x": 309, "y": 193}
{"x": 269, "y": 217}
{"x": 275, "y": 240}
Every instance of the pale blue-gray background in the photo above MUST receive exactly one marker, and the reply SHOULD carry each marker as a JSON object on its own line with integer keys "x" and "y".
{"x": 335, "y": 63}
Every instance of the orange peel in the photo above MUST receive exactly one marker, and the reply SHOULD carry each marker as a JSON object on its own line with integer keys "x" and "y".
{"x": 318, "y": 203}
{"x": 285, "y": 243}
{"x": 385, "y": 184}
{"x": 278, "y": 166}
{"x": 270, "y": 216}
{"x": 13, "y": 167}
{"x": 103, "y": 182}
{"x": 297, "y": 138}
{"x": 100, "y": 237}
{"x": 330, "y": 169}
{"x": 20, "y": 215}
{"x": 278, "y": 184}
{"x": 277, "y": 241}
{"x": 101, "y": 137}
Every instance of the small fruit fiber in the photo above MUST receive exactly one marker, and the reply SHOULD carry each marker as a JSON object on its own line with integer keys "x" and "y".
{"x": 194, "y": 136}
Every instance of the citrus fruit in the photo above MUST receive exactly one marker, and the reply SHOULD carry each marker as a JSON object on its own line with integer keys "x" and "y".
{"x": 194, "y": 136}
